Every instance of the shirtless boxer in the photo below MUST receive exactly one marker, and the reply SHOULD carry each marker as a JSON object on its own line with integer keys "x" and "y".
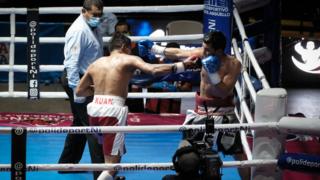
{"x": 219, "y": 74}
{"x": 107, "y": 79}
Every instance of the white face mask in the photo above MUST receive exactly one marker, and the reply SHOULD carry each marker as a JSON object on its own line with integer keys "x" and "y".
{"x": 93, "y": 22}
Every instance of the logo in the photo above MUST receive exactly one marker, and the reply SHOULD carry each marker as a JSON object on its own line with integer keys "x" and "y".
{"x": 219, "y": 3}
{"x": 18, "y": 131}
{"x": 33, "y": 24}
{"x": 33, "y": 83}
{"x": 33, "y": 92}
{"x": 289, "y": 160}
{"x": 18, "y": 166}
{"x": 310, "y": 57}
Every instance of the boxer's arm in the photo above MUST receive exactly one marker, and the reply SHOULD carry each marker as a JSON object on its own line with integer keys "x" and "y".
{"x": 176, "y": 53}
{"x": 161, "y": 69}
{"x": 153, "y": 69}
{"x": 85, "y": 87}
{"x": 148, "y": 47}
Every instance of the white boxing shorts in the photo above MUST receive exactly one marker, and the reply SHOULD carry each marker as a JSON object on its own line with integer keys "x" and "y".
{"x": 107, "y": 110}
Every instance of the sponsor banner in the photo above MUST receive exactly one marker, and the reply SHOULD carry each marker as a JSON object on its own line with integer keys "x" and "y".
{"x": 35, "y": 119}
{"x": 65, "y": 119}
{"x": 33, "y": 53}
{"x": 300, "y": 162}
{"x": 217, "y": 15}
{"x": 18, "y": 153}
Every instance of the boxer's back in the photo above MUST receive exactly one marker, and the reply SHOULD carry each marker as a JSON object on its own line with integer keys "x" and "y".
{"x": 111, "y": 75}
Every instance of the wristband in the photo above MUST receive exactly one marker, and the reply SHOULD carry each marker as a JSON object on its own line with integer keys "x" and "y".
{"x": 178, "y": 67}
{"x": 156, "y": 49}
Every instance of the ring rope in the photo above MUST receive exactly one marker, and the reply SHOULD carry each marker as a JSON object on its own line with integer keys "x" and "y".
{"x": 244, "y": 73}
{"x": 63, "y": 95}
{"x": 248, "y": 50}
{"x": 179, "y": 38}
{"x": 293, "y": 125}
{"x": 131, "y": 166}
{"x": 153, "y": 128}
{"x": 115, "y": 9}
{"x": 244, "y": 105}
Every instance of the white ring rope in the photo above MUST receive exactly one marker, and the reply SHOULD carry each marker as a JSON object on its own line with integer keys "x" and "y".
{"x": 248, "y": 50}
{"x": 23, "y": 68}
{"x": 179, "y": 38}
{"x": 63, "y": 95}
{"x": 244, "y": 73}
{"x": 291, "y": 125}
{"x": 115, "y": 9}
{"x": 153, "y": 128}
{"x": 132, "y": 166}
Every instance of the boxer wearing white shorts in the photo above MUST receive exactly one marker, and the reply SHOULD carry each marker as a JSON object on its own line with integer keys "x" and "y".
{"x": 107, "y": 110}
{"x": 107, "y": 79}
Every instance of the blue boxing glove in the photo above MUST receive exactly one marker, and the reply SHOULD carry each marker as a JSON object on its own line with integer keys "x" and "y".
{"x": 147, "y": 50}
{"x": 212, "y": 64}
{"x": 143, "y": 47}
{"x": 147, "y": 46}
{"x": 146, "y": 43}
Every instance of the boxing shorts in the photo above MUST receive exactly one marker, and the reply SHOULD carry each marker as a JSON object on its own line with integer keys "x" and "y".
{"x": 107, "y": 110}
{"x": 222, "y": 111}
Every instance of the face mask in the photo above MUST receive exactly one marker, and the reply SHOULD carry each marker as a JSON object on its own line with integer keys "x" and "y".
{"x": 93, "y": 22}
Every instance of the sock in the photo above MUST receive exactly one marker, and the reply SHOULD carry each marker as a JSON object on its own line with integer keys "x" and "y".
{"x": 105, "y": 176}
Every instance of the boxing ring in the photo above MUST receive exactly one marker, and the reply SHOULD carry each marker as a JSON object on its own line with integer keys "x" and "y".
{"x": 268, "y": 123}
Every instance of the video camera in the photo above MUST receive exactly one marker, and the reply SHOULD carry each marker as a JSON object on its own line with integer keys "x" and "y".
{"x": 195, "y": 159}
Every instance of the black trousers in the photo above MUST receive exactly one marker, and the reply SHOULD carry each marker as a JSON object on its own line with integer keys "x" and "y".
{"x": 75, "y": 143}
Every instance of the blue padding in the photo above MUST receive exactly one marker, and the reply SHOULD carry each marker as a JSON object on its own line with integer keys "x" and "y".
{"x": 146, "y": 80}
{"x": 141, "y": 148}
{"x": 300, "y": 162}
{"x": 143, "y": 79}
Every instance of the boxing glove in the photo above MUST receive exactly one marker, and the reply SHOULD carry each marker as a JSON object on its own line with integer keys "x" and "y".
{"x": 142, "y": 50}
{"x": 149, "y": 45}
{"x": 189, "y": 63}
{"x": 193, "y": 62}
{"x": 212, "y": 64}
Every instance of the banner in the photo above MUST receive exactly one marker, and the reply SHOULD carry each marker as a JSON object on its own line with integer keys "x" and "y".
{"x": 217, "y": 15}
{"x": 65, "y": 119}
{"x": 33, "y": 53}
{"x": 300, "y": 162}
{"x": 18, "y": 153}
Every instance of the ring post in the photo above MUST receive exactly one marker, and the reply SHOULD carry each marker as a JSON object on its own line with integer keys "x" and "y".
{"x": 18, "y": 153}
{"x": 271, "y": 106}
{"x": 217, "y": 15}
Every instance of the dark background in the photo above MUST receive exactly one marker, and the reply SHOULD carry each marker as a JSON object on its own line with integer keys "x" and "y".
{"x": 290, "y": 9}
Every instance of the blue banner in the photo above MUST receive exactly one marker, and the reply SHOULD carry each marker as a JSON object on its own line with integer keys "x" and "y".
{"x": 217, "y": 15}
{"x": 300, "y": 162}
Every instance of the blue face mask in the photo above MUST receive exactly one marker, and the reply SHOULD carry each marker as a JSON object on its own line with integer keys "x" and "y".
{"x": 93, "y": 22}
